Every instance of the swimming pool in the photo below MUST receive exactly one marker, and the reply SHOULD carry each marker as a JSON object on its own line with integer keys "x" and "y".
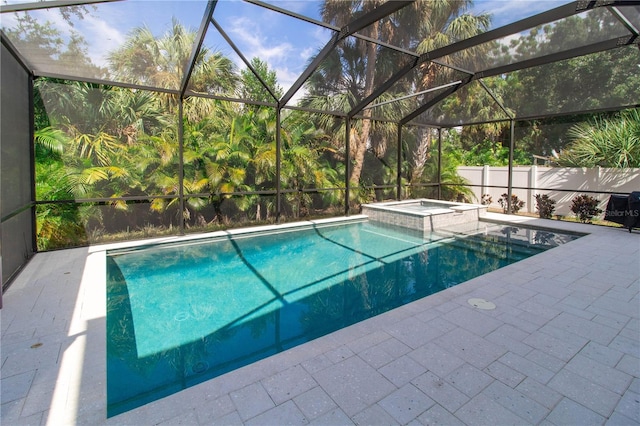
{"x": 180, "y": 314}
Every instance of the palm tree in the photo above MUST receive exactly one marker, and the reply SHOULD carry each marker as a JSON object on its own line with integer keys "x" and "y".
{"x": 84, "y": 149}
{"x": 115, "y": 142}
{"x": 440, "y": 24}
{"x": 605, "y": 142}
{"x": 148, "y": 60}
{"x": 356, "y": 67}
{"x": 350, "y": 74}
{"x": 304, "y": 165}
{"x": 101, "y": 125}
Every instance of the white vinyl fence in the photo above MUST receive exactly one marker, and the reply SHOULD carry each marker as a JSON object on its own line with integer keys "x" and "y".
{"x": 559, "y": 183}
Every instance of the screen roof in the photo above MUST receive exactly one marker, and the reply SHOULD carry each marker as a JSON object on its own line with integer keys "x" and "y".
{"x": 439, "y": 64}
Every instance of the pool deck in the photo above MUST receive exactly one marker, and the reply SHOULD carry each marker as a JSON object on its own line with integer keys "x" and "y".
{"x": 561, "y": 347}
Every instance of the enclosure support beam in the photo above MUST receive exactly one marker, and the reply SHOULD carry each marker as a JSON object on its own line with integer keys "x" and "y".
{"x": 496, "y": 100}
{"x": 434, "y": 101}
{"x": 399, "y": 165}
{"x": 624, "y": 21}
{"x": 202, "y": 32}
{"x": 543, "y": 60}
{"x": 597, "y": 47}
{"x": 181, "y": 164}
{"x": 32, "y": 160}
{"x": 440, "y": 163}
{"x": 349, "y": 29}
{"x": 37, "y": 5}
{"x": 278, "y": 160}
{"x": 347, "y": 163}
{"x": 14, "y": 52}
{"x": 244, "y": 59}
{"x": 510, "y": 176}
{"x": 40, "y": 73}
{"x": 513, "y": 28}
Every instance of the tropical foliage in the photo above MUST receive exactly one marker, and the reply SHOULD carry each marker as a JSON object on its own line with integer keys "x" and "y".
{"x": 148, "y": 162}
{"x": 605, "y": 142}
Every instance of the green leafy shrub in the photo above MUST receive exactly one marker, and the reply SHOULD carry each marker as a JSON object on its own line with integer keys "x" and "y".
{"x": 516, "y": 203}
{"x": 492, "y": 153}
{"x": 605, "y": 142}
{"x": 545, "y": 206}
{"x": 585, "y": 207}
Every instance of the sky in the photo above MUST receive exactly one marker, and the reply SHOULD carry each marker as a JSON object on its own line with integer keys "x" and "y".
{"x": 286, "y": 44}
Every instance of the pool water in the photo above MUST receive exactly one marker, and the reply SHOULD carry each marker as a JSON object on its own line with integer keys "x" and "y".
{"x": 421, "y": 207}
{"x": 180, "y": 314}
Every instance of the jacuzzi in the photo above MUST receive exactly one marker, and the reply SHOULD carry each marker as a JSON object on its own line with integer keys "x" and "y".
{"x": 423, "y": 214}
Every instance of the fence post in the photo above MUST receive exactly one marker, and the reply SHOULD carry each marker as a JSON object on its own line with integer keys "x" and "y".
{"x": 347, "y": 164}
{"x": 279, "y": 164}
{"x": 510, "y": 177}
{"x": 439, "y": 162}
{"x": 399, "y": 165}
{"x": 486, "y": 181}
{"x": 533, "y": 184}
{"x": 181, "y": 164}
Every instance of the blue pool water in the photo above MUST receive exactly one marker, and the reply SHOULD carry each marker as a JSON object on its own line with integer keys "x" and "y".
{"x": 179, "y": 314}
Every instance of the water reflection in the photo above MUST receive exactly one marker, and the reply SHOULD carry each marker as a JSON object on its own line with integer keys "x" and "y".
{"x": 358, "y": 272}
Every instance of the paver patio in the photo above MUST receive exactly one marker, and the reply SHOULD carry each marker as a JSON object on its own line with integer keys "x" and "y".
{"x": 561, "y": 347}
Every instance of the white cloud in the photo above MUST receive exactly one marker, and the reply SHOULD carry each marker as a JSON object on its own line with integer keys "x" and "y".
{"x": 102, "y": 39}
{"x": 294, "y": 6}
{"x": 253, "y": 43}
{"x": 286, "y": 77}
{"x": 307, "y": 53}
{"x": 8, "y": 20}
{"x": 322, "y": 35}
{"x": 506, "y": 11}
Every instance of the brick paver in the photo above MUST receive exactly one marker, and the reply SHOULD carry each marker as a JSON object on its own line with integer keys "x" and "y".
{"x": 561, "y": 347}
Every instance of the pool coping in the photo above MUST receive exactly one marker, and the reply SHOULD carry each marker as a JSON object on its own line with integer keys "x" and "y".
{"x": 59, "y": 301}
{"x": 225, "y": 233}
{"x": 396, "y": 207}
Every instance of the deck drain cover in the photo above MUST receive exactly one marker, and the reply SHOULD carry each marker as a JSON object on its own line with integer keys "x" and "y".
{"x": 481, "y": 304}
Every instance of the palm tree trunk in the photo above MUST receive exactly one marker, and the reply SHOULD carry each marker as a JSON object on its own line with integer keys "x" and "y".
{"x": 361, "y": 142}
{"x": 421, "y": 154}
{"x": 360, "y": 148}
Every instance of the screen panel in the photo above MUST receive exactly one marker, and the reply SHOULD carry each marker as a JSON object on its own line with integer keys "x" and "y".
{"x": 586, "y": 28}
{"x": 576, "y": 85}
{"x": 16, "y": 136}
{"x": 100, "y": 142}
{"x": 138, "y": 42}
{"x": 16, "y": 177}
{"x": 17, "y": 236}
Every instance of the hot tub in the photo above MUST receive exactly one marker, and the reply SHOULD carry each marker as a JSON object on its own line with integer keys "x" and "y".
{"x": 423, "y": 214}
